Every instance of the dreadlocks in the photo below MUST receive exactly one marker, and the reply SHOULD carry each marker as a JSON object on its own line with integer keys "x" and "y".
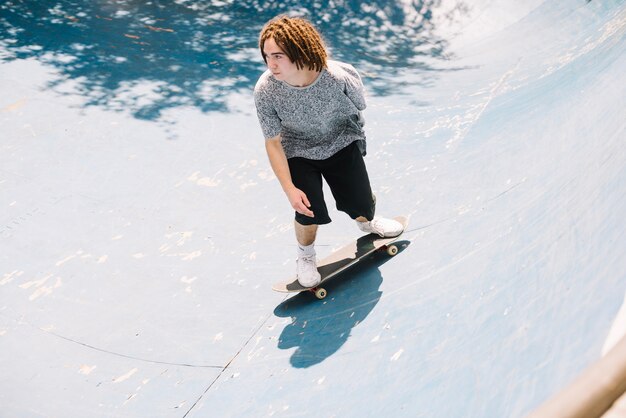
{"x": 298, "y": 39}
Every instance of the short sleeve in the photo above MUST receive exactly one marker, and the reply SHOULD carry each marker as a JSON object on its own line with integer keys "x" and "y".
{"x": 268, "y": 118}
{"x": 354, "y": 87}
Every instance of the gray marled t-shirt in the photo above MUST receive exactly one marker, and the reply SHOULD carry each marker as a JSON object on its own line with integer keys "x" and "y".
{"x": 315, "y": 121}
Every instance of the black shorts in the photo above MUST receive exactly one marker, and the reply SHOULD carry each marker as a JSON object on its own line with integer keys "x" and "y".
{"x": 347, "y": 178}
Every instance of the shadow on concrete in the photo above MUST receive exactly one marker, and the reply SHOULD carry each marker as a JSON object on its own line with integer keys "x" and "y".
{"x": 148, "y": 57}
{"x": 319, "y": 328}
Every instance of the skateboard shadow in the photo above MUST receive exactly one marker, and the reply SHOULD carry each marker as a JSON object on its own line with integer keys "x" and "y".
{"x": 320, "y": 327}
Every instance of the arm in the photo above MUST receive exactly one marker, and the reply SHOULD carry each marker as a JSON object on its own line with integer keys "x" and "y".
{"x": 279, "y": 164}
{"x": 353, "y": 87}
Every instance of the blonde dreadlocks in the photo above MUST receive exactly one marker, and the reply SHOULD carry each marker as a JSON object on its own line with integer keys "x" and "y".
{"x": 298, "y": 39}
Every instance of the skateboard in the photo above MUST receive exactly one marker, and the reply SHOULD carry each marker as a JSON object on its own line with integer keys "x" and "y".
{"x": 343, "y": 258}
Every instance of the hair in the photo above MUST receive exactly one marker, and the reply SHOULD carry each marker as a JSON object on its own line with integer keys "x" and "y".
{"x": 298, "y": 39}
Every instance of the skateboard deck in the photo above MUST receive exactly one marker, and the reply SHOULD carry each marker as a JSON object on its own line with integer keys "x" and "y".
{"x": 344, "y": 258}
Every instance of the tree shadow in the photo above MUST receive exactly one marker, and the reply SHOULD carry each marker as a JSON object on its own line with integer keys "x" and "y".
{"x": 148, "y": 57}
{"x": 319, "y": 328}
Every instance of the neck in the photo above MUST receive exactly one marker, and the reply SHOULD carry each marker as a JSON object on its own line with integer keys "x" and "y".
{"x": 304, "y": 78}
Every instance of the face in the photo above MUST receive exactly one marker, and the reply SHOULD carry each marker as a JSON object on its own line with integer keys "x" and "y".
{"x": 278, "y": 62}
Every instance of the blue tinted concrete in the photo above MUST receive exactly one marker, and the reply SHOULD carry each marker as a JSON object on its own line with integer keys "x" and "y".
{"x": 141, "y": 226}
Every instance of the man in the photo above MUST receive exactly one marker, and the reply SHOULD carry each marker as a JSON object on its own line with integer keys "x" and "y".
{"x": 309, "y": 108}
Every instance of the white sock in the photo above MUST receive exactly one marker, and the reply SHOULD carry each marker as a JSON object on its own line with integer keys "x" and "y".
{"x": 306, "y": 250}
{"x": 364, "y": 226}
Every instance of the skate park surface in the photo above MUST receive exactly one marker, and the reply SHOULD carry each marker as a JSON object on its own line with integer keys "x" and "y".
{"x": 142, "y": 228}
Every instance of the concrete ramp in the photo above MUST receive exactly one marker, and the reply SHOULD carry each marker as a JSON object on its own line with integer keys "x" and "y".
{"x": 141, "y": 227}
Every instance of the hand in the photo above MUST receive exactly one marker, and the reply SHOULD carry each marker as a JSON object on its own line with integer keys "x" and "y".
{"x": 299, "y": 202}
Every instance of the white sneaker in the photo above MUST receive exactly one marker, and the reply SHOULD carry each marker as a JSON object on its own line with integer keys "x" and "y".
{"x": 306, "y": 271}
{"x": 386, "y": 228}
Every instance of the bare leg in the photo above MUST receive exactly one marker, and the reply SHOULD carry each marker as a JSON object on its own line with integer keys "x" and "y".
{"x": 305, "y": 234}
{"x": 362, "y": 219}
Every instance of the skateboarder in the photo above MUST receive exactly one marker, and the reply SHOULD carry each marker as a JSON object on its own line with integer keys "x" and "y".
{"x": 309, "y": 108}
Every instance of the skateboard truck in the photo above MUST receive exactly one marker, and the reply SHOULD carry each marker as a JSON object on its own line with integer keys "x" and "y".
{"x": 319, "y": 292}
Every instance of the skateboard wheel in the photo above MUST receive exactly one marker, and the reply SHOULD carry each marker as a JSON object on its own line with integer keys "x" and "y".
{"x": 320, "y": 293}
{"x": 392, "y": 250}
